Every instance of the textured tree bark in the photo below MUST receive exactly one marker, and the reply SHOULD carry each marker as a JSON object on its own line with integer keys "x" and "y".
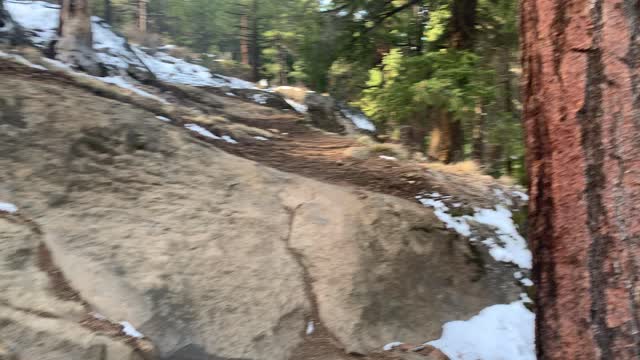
{"x": 10, "y": 32}
{"x": 446, "y": 141}
{"x": 244, "y": 39}
{"x": 142, "y": 15}
{"x": 478, "y": 136}
{"x": 581, "y": 62}
{"x": 255, "y": 42}
{"x": 75, "y": 42}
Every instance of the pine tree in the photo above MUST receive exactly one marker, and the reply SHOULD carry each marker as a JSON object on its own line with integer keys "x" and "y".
{"x": 581, "y": 111}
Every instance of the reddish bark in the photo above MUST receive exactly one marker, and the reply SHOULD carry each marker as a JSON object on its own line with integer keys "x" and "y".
{"x": 581, "y": 63}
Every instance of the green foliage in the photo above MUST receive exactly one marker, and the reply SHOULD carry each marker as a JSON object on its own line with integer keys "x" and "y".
{"x": 403, "y": 87}
{"x": 395, "y": 59}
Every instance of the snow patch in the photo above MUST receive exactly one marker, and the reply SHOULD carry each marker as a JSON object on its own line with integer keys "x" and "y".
{"x": 390, "y": 346}
{"x": 162, "y": 118}
{"x": 513, "y": 246}
{"x": 458, "y": 224}
{"x": 259, "y": 98}
{"x": 521, "y": 195}
{"x": 301, "y": 108}
{"x": 359, "y": 120}
{"x": 499, "y": 332}
{"x": 261, "y": 138}
{"x": 229, "y": 139}
{"x": 310, "y": 328}
{"x": 8, "y": 207}
{"x": 390, "y": 158}
{"x": 202, "y": 131}
{"x": 510, "y": 246}
{"x": 129, "y": 330}
{"x": 40, "y": 19}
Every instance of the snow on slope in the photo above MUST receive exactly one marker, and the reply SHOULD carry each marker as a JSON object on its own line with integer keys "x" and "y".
{"x": 499, "y": 332}
{"x": 358, "y": 119}
{"x": 40, "y": 19}
{"x": 510, "y": 245}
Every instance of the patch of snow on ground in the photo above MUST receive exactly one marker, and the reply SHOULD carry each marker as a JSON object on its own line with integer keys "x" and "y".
{"x": 521, "y": 195}
{"x": 390, "y": 158}
{"x": 162, "y": 118}
{"x": 19, "y": 59}
{"x": 259, "y": 98}
{"x": 8, "y": 207}
{"x": 128, "y": 329}
{"x": 202, "y": 131}
{"x": 261, "y": 138}
{"x": 301, "y": 108}
{"x": 499, "y": 332}
{"x": 359, "y": 120}
{"x": 513, "y": 247}
{"x": 229, "y": 139}
{"x": 173, "y": 70}
{"x": 441, "y": 210}
{"x": 510, "y": 246}
{"x": 391, "y": 346}
{"x": 310, "y": 328}
{"x": 39, "y": 17}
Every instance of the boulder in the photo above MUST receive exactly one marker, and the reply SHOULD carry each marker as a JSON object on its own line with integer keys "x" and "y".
{"x": 214, "y": 256}
{"x": 323, "y": 112}
{"x": 291, "y": 92}
{"x": 37, "y": 319}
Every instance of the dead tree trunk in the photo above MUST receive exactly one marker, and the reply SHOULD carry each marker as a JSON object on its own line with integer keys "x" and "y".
{"x": 75, "y": 42}
{"x": 142, "y": 15}
{"x": 10, "y": 32}
{"x": 582, "y": 117}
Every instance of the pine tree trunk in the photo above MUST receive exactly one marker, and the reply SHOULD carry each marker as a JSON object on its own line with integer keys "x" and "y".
{"x": 255, "y": 42}
{"x": 244, "y": 39}
{"x": 75, "y": 42}
{"x": 446, "y": 141}
{"x": 581, "y": 62}
{"x": 282, "y": 59}
{"x": 108, "y": 11}
{"x": 420, "y": 18}
{"x": 10, "y": 32}
{"x": 142, "y": 15}
{"x": 478, "y": 136}
{"x": 447, "y": 137}
{"x": 462, "y": 24}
